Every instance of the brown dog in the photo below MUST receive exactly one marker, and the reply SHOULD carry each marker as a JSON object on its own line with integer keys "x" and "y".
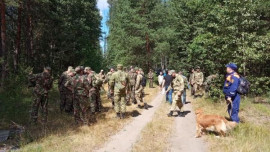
{"x": 214, "y": 123}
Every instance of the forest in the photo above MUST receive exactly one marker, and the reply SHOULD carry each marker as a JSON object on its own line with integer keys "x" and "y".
{"x": 149, "y": 34}
{"x": 158, "y": 34}
{"x": 181, "y": 34}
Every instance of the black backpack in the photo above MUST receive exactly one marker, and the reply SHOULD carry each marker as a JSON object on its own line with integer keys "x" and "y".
{"x": 244, "y": 86}
{"x": 144, "y": 81}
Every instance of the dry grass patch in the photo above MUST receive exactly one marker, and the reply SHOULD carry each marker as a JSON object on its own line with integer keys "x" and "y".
{"x": 252, "y": 134}
{"x": 62, "y": 135}
{"x": 154, "y": 137}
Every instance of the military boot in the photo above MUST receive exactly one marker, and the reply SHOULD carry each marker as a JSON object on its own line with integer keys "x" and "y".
{"x": 180, "y": 114}
{"x": 122, "y": 115}
{"x": 170, "y": 114}
{"x": 146, "y": 106}
{"x": 118, "y": 116}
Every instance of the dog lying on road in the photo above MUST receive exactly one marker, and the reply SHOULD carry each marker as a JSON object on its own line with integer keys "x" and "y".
{"x": 214, "y": 123}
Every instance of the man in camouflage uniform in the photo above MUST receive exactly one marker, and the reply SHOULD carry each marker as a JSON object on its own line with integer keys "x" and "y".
{"x": 108, "y": 77}
{"x": 191, "y": 81}
{"x": 62, "y": 89}
{"x": 178, "y": 86}
{"x": 92, "y": 93}
{"x": 209, "y": 80}
{"x": 184, "y": 94}
{"x": 43, "y": 83}
{"x": 151, "y": 78}
{"x": 139, "y": 90}
{"x": 132, "y": 81}
{"x": 198, "y": 82}
{"x": 119, "y": 83}
{"x": 80, "y": 87}
{"x": 68, "y": 93}
{"x": 100, "y": 79}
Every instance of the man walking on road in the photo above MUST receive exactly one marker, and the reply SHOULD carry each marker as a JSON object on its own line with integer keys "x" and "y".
{"x": 178, "y": 87}
{"x": 139, "y": 90}
{"x": 119, "y": 83}
{"x": 191, "y": 81}
{"x": 166, "y": 83}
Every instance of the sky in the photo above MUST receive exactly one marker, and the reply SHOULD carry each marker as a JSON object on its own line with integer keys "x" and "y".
{"x": 103, "y": 7}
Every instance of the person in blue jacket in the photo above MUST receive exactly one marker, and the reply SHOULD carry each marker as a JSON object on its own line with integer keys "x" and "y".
{"x": 230, "y": 90}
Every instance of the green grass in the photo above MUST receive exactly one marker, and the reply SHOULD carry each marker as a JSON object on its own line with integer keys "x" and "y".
{"x": 251, "y": 135}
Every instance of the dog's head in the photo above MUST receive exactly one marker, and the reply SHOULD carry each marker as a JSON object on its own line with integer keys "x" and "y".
{"x": 198, "y": 111}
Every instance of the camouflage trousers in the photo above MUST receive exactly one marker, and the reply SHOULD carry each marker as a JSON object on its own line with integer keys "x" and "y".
{"x": 198, "y": 89}
{"x": 81, "y": 109}
{"x": 139, "y": 96}
{"x": 66, "y": 102}
{"x": 98, "y": 101}
{"x": 109, "y": 95}
{"x": 177, "y": 102}
{"x": 131, "y": 95}
{"x": 120, "y": 103}
{"x": 42, "y": 102}
{"x": 93, "y": 100}
{"x": 151, "y": 83}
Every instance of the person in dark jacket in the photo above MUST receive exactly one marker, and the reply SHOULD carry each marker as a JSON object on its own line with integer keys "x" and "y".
{"x": 230, "y": 90}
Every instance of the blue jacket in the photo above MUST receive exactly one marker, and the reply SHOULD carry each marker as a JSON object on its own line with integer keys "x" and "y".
{"x": 231, "y": 84}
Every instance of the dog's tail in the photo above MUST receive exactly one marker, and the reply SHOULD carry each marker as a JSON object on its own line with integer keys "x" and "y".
{"x": 230, "y": 124}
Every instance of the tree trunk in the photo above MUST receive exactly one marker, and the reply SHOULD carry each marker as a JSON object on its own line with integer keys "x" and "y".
{"x": 29, "y": 42}
{"x": 18, "y": 38}
{"x": 3, "y": 41}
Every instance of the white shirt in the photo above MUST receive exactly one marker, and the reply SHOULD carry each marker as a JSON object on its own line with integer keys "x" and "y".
{"x": 160, "y": 79}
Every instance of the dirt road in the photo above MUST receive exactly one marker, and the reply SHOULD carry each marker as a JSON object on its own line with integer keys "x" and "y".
{"x": 182, "y": 138}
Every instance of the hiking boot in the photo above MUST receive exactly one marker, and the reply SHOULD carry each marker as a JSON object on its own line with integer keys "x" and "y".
{"x": 170, "y": 114}
{"x": 146, "y": 106}
{"x": 122, "y": 116}
{"x": 118, "y": 115}
{"x": 181, "y": 114}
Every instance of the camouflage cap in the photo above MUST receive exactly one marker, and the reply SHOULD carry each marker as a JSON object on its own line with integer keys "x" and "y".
{"x": 198, "y": 67}
{"x": 48, "y": 68}
{"x": 87, "y": 68}
{"x": 172, "y": 71}
{"x": 119, "y": 66}
{"x": 72, "y": 71}
{"x": 136, "y": 68}
{"x": 78, "y": 69}
{"x": 70, "y": 67}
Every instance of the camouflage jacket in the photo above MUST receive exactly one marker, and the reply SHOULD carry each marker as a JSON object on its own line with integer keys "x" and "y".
{"x": 132, "y": 78}
{"x": 138, "y": 86}
{"x": 62, "y": 80}
{"x": 150, "y": 75}
{"x": 119, "y": 82}
{"x": 79, "y": 85}
{"x": 177, "y": 84}
{"x": 198, "y": 78}
{"x": 43, "y": 82}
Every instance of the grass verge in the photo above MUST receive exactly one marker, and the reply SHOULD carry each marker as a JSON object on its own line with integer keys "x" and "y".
{"x": 61, "y": 134}
{"x": 252, "y": 134}
{"x": 154, "y": 137}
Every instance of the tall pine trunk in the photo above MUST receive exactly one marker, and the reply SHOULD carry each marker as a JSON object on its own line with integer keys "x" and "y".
{"x": 18, "y": 38}
{"x": 3, "y": 41}
{"x": 29, "y": 26}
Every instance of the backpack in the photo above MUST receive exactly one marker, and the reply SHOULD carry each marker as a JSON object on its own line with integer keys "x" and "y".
{"x": 121, "y": 83}
{"x": 144, "y": 81}
{"x": 244, "y": 86}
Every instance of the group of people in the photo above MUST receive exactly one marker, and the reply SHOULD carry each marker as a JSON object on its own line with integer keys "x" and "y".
{"x": 80, "y": 91}
{"x": 175, "y": 85}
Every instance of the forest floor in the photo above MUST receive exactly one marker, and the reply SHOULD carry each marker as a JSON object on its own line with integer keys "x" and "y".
{"x": 142, "y": 130}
